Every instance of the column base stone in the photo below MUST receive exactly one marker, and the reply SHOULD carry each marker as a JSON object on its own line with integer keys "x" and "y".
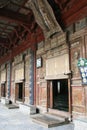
{"x": 27, "y": 109}
{"x": 5, "y": 101}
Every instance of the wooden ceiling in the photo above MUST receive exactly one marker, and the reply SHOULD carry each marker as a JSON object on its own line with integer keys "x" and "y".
{"x": 18, "y": 24}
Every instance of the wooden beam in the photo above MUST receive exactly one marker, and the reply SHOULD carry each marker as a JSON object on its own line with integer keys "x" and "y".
{"x": 4, "y": 42}
{"x": 79, "y": 5}
{"x": 75, "y": 17}
{"x": 28, "y": 43}
{"x": 75, "y": 13}
{"x": 4, "y": 45}
{"x": 16, "y": 17}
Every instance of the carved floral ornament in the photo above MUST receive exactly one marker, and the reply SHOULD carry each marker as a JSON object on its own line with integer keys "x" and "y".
{"x": 82, "y": 64}
{"x": 44, "y": 17}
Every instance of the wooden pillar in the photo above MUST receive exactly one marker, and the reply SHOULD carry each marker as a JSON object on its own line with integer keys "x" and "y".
{"x": 8, "y": 79}
{"x": 31, "y": 78}
{"x": 34, "y": 77}
{"x": 51, "y": 95}
{"x": 70, "y": 97}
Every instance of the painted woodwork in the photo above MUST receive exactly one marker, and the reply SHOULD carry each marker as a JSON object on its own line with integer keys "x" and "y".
{"x": 8, "y": 79}
{"x": 27, "y": 94}
{"x": 31, "y": 78}
{"x": 41, "y": 12}
{"x": 77, "y": 50}
{"x": 51, "y": 48}
{"x": 28, "y": 43}
{"x": 49, "y": 45}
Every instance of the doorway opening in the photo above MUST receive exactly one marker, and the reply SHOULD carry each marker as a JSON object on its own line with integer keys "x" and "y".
{"x": 60, "y": 95}
{"x": 3, "y": 90}
{"x": 19, "y": 91}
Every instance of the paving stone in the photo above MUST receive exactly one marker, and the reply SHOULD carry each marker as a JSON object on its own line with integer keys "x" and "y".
{"x": 13, "y": 119}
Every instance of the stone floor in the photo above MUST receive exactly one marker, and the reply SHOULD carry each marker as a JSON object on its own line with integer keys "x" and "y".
{"x": 13, "y": 119}
{"x": 80, "y": 124}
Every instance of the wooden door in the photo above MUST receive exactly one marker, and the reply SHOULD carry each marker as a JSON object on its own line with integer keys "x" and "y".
{"x": 16, "y": 92}
{"x": 23, "y": 92}
{"x": 3, "y": 90}
{"x": 49, "y": 94}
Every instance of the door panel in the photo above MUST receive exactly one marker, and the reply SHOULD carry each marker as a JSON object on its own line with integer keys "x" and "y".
{"x": 49, "y": 94}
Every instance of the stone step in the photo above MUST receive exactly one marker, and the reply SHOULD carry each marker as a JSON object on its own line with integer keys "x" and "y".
{"x": 62, "y": 118}
{"x": 61, "y": 114}
{"x": 12, "y": 106}
{"x": 48, "y": 120}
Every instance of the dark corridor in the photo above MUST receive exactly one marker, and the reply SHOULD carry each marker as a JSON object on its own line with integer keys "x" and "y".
{"x": 60, "y": 95}
{"x": 20, "y": 95}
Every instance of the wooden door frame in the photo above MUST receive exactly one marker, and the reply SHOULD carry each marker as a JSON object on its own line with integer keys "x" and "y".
{"x": 50, "y": 95}
{"x": 23, "y": 91}
{"x": 3, "y": 89}
{"x": 16, "y": 94}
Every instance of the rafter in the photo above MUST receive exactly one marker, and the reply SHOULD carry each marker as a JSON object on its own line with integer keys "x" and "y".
{"x": 78, "y": 12}
{"x": 15, "y": 17}
{"x": 75, "y": 8}
{"x": 21, "y": 6}
{"x": 5, "y": 40}
{"x": 4, "y": 45}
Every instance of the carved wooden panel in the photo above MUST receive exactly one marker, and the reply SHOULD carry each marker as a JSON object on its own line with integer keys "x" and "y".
{"x": 77, "y": 96}
{"x": 44, "y": 16}
{"x": 19, "y": 72}
{"x": 3, "y": 76}
{"x": 75, "y": 55}
{"x": 42, "y": 96}
{"x": 18, "y": 59}
{"x": 78, "y": 99}
{"x": 57, "y": 66}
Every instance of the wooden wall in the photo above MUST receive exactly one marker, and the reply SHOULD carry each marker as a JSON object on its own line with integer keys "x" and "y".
{"x": 47, "y": 49}
{"x": 20, "y": 73}
{"x": 78, "y": 49}
{"x": 76, "y": 44}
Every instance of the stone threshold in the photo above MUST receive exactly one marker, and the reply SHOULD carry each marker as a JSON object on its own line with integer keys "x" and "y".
{"x": 49, "y": 120}
{"x": 12, "y": 106}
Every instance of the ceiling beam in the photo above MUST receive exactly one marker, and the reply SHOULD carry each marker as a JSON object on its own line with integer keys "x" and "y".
{"x": 28, "y": 43}
{"x": 77, "y": 6}
{"x": 15, "y": 17}
{"x": 4, "y": 45}
{"x": 76, "y": 12}
{"x": 76, "y": 16}
{"x": 5, "y": 40}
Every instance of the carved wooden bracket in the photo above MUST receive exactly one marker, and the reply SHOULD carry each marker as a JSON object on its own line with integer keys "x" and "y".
{"x": 44, "y": 16}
